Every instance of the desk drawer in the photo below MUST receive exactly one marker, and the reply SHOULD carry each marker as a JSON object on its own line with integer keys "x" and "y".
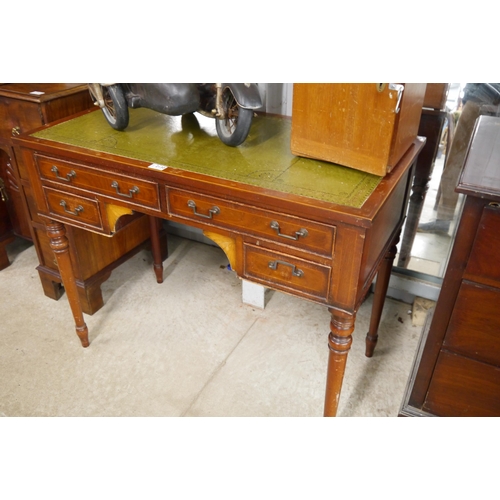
{"x": 299, "y": 233}
{"x": 286, "y": 272}
{"x": 119, "y": 187}
{"x": 76, "y": 208}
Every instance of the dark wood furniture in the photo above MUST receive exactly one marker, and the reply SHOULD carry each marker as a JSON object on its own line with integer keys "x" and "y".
{"x": 457, "y": 367}
{"x": 24, "y": 107}
{"x": 312, "y": 229}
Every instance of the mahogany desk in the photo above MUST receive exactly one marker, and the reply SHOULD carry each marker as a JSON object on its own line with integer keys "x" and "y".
{"x": 313, "y": 229}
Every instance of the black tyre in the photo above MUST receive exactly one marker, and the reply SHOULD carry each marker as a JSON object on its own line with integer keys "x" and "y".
{"x": 234, "y": 129}
{"x": 115, "y": 109}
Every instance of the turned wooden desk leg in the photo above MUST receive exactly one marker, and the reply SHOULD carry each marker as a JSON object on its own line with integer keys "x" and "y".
{"x": 383, "y": 277}
{"x": 339, "y": 344}
{"x": 154, "y": 224}
{"x": 59, "y": 244}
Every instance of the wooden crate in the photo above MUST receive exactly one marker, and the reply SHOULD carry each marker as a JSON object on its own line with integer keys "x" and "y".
{"x": 355, "y": 125}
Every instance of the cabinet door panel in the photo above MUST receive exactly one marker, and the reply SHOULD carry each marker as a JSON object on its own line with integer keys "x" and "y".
{"x": 485, "y": 249}
{"x": 474, "y": 328}
{"x": 462, "y": 387}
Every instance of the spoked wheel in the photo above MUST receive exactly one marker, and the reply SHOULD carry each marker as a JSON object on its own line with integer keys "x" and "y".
{"x": 234, "y": 128}
{"x": 115, "y": 107}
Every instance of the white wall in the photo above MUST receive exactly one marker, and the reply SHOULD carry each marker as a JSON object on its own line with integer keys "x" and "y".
{"x": 277, "y": 97}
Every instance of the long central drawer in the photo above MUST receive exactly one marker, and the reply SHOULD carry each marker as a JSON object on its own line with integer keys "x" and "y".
{"x": 300, "y": 233}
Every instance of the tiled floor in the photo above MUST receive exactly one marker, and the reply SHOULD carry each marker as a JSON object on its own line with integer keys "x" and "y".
{"x": 187, "y": 347}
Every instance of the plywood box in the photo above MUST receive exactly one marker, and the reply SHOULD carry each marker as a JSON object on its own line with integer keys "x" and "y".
{"x": 366, "y": 126}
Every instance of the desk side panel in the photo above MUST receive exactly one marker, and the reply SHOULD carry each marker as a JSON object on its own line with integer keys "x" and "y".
{"x": 385, "y": 227}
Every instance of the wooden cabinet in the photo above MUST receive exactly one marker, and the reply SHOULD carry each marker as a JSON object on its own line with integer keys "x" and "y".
{"x": 457, "y": 368}
{"x": 24, "y": 107}
{"x": 366, "y": 126}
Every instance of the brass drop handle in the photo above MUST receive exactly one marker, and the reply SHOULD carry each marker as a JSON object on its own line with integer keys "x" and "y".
{"x": 213, "y": 211}
{"x": 273, "y": 264}
{"x": 301, "y": 232}
{"x": 3, "y": 191}
{"x": 69, "y": 176}
{"x": 131, "y": 191}
{"x": 16, "y": 131}
{"x": 77, "y": 211}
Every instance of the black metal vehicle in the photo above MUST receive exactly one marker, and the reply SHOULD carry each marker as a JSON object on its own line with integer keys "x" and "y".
{"x": 231, "y": 104}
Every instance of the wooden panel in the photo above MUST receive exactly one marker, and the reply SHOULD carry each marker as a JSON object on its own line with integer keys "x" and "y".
{"x": 285, "y": 272}
{"x": 485, "y": 251}
{"x": 106, "y": 251}
{"x": 294, "y": 231}
{"x": 462, "y": 387}
{"x": 354, "y": 124}
{"x": 474, "y": 328}
{"x": 436, "y": 95}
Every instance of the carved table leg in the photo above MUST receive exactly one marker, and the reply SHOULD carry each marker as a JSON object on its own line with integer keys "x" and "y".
{"x": 383, "y": 276}
{"x": 339, "y": 344}
{"x": 156, "y": 248}
{"x": 59, "y": 245}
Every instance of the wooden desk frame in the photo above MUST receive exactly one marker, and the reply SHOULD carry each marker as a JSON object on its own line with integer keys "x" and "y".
{"x": 334, "y": 267}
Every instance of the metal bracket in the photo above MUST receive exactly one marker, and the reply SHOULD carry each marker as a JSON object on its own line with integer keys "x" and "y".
{"x": 399, "y": 89}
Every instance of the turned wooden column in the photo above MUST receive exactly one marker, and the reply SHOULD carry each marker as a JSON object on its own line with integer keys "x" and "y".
{"x": 339, "y": 344}
{"x": 59, "y": 245}
{"x": 383, "y": 277}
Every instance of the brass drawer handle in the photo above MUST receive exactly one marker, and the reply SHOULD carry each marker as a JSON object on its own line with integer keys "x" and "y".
{"x": 68, "y": 177}
{"x": 295, "y": 271}
{"x": 301, "y": 232}
{"x": 131, "y": 191}
{"x": 77, "y": 211}
{"x": 213, "y": 211}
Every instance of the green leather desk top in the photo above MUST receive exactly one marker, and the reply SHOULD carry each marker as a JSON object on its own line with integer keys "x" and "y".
{"x": 191, "y": 143}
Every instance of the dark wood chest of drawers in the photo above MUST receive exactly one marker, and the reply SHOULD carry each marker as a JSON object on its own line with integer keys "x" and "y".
{"x": 24, "y": 107}
{"x": 457, "y": 369}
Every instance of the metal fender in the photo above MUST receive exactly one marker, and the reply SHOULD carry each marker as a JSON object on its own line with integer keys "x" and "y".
{"x": 246, "y": 94}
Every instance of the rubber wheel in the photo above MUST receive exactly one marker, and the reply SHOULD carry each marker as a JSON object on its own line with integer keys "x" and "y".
{"x": 115, "y": 109}
{"x": 234, "y": 129}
